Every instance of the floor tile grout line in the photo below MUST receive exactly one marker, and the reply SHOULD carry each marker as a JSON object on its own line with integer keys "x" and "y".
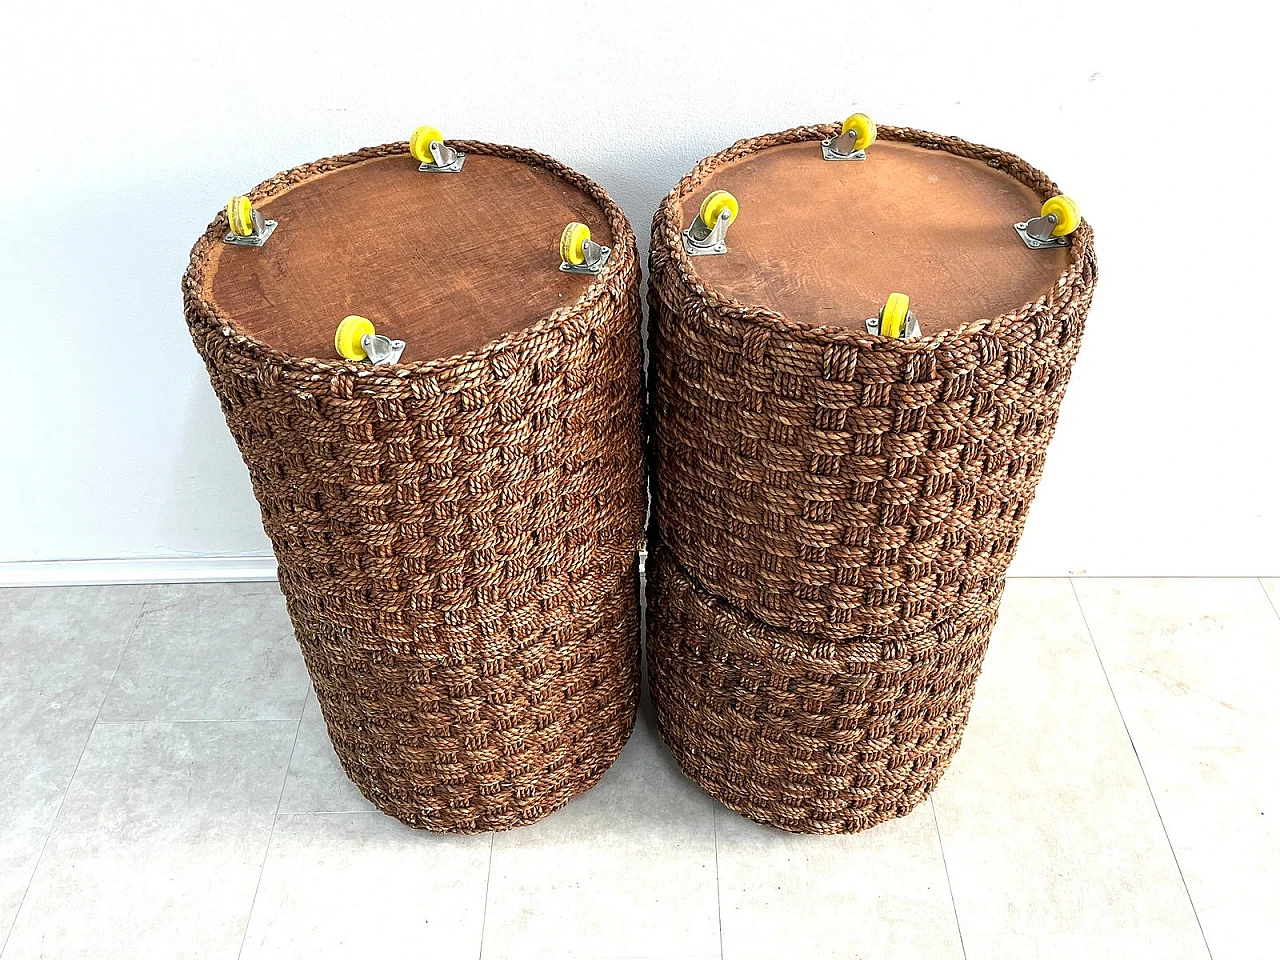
{"x": 715, "y": 840}
{"x": 53, "y": 824}
{"x": 1267, "y": 593}
{"x": 368, "y": 811}
{"x": 1141, "y": 768}
{"x": 112, "y": 723}
{"x": 218, "y": 581}
{"x": 946, "y": 871}
{"x": 271, "y": 835}
{"x": 1139, "y": 576}
{"x": 488, "y": 880}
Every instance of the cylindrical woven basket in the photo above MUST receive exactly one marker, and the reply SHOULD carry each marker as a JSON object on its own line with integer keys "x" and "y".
{"x": 827, "y": 493}
{"x": 802, "y": 733}
{"x": 457, "y": 536}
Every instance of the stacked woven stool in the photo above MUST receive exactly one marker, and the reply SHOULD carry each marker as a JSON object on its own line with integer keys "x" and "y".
{"x": 455, "y": 503}
{"x": 841, "y": 475}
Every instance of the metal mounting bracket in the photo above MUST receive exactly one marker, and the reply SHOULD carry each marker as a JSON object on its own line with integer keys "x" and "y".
{"x": 841, "y": 147}
{"x": 910, "y": 330}
{"x": 1037, "y": 233}
{"x": 447, "y": 159}
{"x": 262, "y": 229}
{"x": 702, "y": 241}
{"x": 595, "y": 257}
{"x": 380, "y": 349}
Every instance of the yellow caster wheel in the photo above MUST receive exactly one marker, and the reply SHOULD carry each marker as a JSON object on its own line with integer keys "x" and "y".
{"x": 862, "y": 129}
{"x": 246, "y": 226}
{"x": 856, "y": 134}
{"x": 1067, "y": 213}
{"x": 893, "y": 315}
{"x": 355, "y": 339}
{"x": 240, "y": 216}
{"x": 445, "y": 160}
{"x": 420, "y": 143}
{"x": 573, "y": 243}
{"x": 349, "y": 338}
{"x": 579, "y": 253}
{"x": 714, "y": 205}
{"x": 706, "y": 234}
{"x": 1059, "y": 218}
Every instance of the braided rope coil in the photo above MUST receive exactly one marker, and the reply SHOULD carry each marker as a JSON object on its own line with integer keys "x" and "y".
{"x": 456, "y": 537}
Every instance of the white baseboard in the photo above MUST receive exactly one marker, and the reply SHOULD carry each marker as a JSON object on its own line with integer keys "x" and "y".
{"x": 75, "y": 573}
{"x": 69, "y": 573}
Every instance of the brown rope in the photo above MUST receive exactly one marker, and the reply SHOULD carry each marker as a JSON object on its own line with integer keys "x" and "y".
{"x": 835, "y": 488}
{"x": 456, "y": 538}
{"x": 801, "y": 733}
{"x": 830, "y": 481}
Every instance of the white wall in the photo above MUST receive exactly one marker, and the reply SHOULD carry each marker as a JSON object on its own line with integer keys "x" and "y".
{"x": 124, "y": 127}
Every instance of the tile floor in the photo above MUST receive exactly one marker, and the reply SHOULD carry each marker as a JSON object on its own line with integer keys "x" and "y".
{"x": 166, "y": 790}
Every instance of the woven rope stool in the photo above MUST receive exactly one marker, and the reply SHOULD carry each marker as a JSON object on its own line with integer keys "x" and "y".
{"x": 807, "y": 734}
{"x": 840, "y": 471}
{"x": 452, "y": 476}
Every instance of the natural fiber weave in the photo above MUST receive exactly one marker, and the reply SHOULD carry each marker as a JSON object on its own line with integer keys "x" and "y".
{"x": 838, "y": 512}
{"x": 806, "y": 734}
{"x": 456, "y": 538}
{"x": 829, "y": 481}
